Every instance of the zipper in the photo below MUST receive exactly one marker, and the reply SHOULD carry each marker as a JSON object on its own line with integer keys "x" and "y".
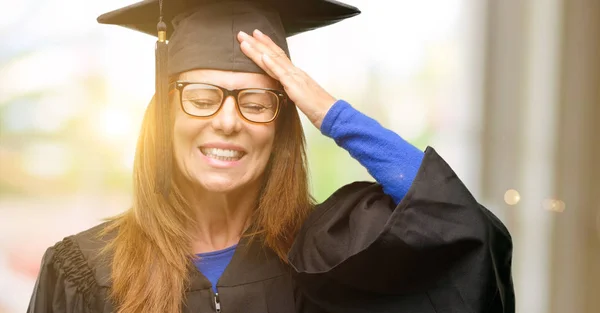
{"x": 217, "y": 303}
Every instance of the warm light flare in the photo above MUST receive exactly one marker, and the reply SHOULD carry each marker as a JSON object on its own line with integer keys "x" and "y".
{"x": 553, "y": 205}
{"x": 512, "y": 197}
{"x": 114, "y": 123}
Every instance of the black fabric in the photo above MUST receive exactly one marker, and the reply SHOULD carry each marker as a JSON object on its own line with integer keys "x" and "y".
{"x": 207, "y": 38}
{"x": 437, "y": 242}
{"x": 70, "y": 278}
{"x": 202, "y": 33}
{"x": 438, "y": 251}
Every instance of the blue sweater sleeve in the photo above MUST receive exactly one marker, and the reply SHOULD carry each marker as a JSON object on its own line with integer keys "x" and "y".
{"x": 391, "y": 160}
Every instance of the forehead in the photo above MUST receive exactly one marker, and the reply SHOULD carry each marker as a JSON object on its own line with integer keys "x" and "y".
{"x": 230, "y": 80}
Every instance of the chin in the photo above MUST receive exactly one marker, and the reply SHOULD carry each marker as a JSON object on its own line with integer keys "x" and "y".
{"x": 220, "y": 184}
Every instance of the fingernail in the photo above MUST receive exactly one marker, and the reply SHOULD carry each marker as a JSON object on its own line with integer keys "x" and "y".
{"x": 258, "y": 32}
{"x": 243, "y": 33}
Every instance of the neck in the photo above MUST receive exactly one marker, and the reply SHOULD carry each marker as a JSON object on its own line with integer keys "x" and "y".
{"x": 221, "y": 217}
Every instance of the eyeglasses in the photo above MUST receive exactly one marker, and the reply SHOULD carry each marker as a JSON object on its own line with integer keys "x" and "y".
{"x": 256, "y": 105}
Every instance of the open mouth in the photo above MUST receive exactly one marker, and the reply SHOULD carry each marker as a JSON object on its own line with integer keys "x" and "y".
{"x": 222, "y": 154}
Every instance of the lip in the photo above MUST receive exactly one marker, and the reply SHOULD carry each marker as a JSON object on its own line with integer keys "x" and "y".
{"x": 223, "y": 145}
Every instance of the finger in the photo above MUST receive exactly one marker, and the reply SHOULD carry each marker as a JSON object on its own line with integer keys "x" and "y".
{"x": 247, "y": 39}
{"x": 256, "y": 57}
{"x": 251, "y": 51}
{"x": 289, "y": 78}
{"x": 268, "y": 42}
{"x": 255, "y": 50}
{"x": 255, "y": 43}
{"x": 277, "y": 55}
{"x": 272, "y": 49}
{"x": 251, "y": 47}
{"x": 277, "y": 65}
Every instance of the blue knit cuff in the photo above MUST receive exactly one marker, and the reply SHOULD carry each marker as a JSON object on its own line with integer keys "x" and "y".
{"x": 390, "y": 159}
{"x": 333, "y": 113}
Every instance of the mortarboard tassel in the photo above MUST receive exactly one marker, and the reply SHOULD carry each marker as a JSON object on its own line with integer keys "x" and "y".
{"x": 163, "y": 112}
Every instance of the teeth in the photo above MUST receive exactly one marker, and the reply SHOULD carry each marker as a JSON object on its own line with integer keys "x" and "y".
{"x": 222, "y": 154}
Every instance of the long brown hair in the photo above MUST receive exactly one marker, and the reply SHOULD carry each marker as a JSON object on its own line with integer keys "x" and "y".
{"x": 151, "y": 253}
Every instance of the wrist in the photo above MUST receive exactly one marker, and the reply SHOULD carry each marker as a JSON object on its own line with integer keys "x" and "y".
{"x": 323, "y": 108}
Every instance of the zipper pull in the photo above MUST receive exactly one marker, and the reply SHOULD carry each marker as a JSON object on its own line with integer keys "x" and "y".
{"x": 217, "y": 303}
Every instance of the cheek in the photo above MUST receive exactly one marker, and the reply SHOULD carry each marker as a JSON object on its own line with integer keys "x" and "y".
{"x": 185, "y": 130}
{"x": 266, "y": 142}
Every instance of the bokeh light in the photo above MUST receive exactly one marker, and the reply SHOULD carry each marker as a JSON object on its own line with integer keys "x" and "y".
{"x": 512, "y": 197}
{"x": 553, "y": 205}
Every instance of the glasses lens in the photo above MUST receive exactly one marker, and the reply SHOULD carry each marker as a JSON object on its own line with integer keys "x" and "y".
{"x": 201, "y": 99}
{"x": 258, "y": 105}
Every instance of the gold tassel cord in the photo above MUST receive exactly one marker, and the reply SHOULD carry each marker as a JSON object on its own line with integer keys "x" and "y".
{"x": 163, "y": 113}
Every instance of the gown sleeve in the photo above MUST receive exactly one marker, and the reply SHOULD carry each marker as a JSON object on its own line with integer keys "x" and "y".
{"x": 359, "y": 247}
{"x": 64, "y": 283}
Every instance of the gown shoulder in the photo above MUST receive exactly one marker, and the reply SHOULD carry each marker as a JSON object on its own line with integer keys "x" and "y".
{"x": 438, "y": 242}
{"x": 72, "y": 274}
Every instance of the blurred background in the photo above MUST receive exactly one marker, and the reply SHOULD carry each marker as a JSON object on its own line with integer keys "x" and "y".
{"x": 507, "y": 91}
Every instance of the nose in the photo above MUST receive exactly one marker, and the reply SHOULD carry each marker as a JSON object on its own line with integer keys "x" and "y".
{"x": 227, "y": 119}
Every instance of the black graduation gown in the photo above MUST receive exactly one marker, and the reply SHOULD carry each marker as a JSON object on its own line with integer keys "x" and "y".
{"x": 438, "y": 251}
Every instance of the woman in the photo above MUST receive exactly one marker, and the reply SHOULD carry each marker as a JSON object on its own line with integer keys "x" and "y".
{"x": 222, "y": 220}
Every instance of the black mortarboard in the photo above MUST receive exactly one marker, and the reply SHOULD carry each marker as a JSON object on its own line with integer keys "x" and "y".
{"x": 202, "y": 34}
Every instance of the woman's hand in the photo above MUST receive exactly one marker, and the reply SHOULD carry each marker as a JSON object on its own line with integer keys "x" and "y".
{"x": 308, "y": 96}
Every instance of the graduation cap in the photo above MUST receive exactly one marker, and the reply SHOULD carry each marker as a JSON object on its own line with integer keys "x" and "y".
{"x": 202, "y": 34}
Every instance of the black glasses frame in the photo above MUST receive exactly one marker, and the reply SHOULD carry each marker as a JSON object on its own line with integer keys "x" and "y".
{"x": 281, "y": 99}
